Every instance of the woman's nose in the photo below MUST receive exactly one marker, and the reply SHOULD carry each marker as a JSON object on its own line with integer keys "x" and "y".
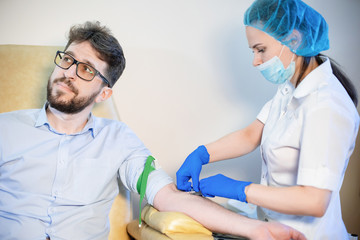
{"x": 257, "y": 60}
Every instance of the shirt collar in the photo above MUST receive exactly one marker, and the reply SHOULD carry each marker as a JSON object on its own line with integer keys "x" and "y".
{"x": 42, "y": 120}
{"x": 315, "y": 79}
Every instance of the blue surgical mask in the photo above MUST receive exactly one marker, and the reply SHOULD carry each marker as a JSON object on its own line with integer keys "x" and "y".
{"x": 273, "y": 70}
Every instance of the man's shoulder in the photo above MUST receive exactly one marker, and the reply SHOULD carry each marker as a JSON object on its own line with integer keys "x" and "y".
{"x": 19, "y": 114}
{"x": 110, "y": 125}
{"x": 109, "y": 122}
{"x": 16, "y": 120}
{"x": 114, "y": 128}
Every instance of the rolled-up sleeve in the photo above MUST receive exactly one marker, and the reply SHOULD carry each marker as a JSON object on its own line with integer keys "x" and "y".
{"x": 264, "y": 113}
{"x": 131, "y": 169}
{"x": 156, "y": 181}
{"x": 327, "y": 134}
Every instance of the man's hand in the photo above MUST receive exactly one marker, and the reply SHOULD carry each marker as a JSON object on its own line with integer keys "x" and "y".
{"x": 276, "y": 231}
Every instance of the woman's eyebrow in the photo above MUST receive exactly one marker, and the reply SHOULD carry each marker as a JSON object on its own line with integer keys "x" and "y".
{"x": 255, "y": 45}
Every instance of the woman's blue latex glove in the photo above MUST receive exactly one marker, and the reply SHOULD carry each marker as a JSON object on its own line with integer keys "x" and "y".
{"x": 191, "y": 168}
{"x": 222, "y": 186}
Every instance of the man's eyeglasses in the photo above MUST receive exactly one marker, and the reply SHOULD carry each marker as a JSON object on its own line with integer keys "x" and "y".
{"x": 83, "y": 70}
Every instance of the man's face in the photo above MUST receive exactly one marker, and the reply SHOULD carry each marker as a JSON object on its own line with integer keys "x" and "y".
{"x": 69, "y": 93}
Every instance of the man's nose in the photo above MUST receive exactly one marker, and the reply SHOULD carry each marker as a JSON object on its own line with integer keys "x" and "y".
{"x": 71, "y": 72}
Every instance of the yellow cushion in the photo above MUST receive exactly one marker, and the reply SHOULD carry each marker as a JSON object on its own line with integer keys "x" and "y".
{"x": 174, "y": 225}
{"x": 144, "y": 232}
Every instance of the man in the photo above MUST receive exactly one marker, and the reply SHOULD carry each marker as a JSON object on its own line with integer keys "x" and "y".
{"x": 59, "y": 164}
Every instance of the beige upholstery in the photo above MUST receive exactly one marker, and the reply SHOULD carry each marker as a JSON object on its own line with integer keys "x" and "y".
{"x": 23, "y": 79}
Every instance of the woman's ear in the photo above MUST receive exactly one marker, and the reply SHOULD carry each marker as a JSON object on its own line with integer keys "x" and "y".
{"x": 105, "y": 93}
{"x": 294, "y": 39}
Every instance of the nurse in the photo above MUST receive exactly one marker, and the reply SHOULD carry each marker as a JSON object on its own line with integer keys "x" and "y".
{"x": 306, "y": 132}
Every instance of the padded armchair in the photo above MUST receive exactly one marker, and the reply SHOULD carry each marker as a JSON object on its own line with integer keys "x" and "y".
{"x": 25, "y": 71}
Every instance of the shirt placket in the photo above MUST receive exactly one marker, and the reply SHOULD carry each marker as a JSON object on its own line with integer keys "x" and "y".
{"x": 59, "y": 180}
{"x": 286, "y": 92}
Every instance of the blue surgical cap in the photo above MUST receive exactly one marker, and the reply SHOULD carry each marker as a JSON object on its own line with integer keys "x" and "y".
{"x": 292, "y": 22}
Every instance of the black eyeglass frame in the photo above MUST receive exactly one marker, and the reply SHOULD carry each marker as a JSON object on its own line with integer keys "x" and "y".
{"x": 77, "y": 64}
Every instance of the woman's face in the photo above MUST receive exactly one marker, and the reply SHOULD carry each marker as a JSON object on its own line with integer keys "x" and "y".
{"x": 266, "y": 47}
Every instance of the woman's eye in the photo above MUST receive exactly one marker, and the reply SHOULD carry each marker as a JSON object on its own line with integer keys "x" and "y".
{"x": 258, "y": 50}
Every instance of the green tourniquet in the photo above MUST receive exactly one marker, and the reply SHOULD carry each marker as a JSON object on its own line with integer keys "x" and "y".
{"x": 142, "y": 182}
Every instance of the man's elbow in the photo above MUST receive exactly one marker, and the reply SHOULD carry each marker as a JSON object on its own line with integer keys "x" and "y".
{"x": 164, "y": 198}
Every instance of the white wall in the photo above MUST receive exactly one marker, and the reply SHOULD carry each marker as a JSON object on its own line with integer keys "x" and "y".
{"x": 189, "y": 78}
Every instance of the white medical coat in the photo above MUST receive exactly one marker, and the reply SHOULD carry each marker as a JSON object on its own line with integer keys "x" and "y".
{"x": 308, "y": 137}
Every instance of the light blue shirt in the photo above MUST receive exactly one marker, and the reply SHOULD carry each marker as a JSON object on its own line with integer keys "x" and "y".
{"x": 63, "y": 186}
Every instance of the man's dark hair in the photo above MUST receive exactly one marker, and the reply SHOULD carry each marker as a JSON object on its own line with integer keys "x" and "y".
{"x": 102, "y": 40}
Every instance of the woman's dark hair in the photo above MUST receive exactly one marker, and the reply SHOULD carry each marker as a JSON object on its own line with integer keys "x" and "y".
{"x": 104, "y": 43}
{"x": 340, "y": 75}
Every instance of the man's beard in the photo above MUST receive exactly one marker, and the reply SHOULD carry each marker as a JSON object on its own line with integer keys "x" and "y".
{"x": 72, "y": 106}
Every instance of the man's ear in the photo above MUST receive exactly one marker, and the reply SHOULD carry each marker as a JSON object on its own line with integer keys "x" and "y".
{"x": 105, "y": 93}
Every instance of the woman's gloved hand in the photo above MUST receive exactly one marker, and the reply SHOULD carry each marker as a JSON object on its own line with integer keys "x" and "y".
{"x": 222, "y": 186}
{"x": 191, "y": 168}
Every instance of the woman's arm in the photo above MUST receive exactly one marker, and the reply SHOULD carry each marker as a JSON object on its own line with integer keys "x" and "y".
{"x": 297, "y": 200}
{"x": 236, "y": 144}
{"x": 233, "y": 145}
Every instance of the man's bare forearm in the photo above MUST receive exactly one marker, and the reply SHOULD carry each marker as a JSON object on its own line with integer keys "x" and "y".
{"x": 218, "y": 219}
{"x": 211, "y": 215}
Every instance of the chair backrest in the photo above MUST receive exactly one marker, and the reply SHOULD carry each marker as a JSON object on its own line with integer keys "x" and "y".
{"x": 25, "y": 71}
